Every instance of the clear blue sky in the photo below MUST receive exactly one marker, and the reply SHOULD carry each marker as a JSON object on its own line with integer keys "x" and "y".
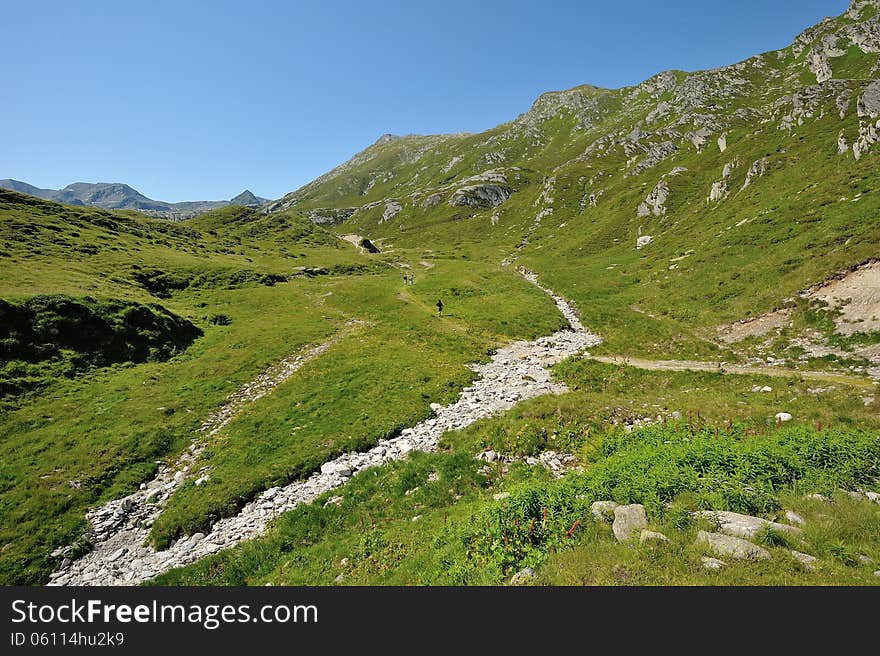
{"x": 198, "y": 100}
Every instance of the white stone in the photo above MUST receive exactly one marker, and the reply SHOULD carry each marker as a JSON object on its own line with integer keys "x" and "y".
{"x": 603, "y": 511}
{"x": 652, "y": 536}
{"x": 726, "y": 545}
{"x": 743, "y": 526}
{"x": 628, "y": 520}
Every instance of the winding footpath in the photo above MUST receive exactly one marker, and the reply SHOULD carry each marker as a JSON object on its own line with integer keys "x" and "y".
{"x": 120, "y": 528}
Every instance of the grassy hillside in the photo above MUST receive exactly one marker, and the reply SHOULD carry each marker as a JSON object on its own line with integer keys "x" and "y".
{"x": 663, "y": 211}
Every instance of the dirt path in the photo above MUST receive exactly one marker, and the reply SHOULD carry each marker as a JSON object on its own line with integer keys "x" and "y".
{"x": 696, "y": 365}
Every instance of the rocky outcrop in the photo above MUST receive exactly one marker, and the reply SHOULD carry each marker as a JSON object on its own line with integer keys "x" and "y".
{"x": 867, "y": 138}
{"x": 392, "y": 209}
{"x": 655, "y": 203}
{"x": 758, "y": 168}
{"x": 842, "y": 145}
{"x": 718, "y": 191}
{"x": 484, "y": 195}
{"x": 817, "y": 60}
{"x": 653, "y": 157}
{"x": 330, "y": 215}
{"x": 869, "y": 102}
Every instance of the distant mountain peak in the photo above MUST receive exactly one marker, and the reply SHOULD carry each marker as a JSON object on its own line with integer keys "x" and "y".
{"x": 120, "y": 196}
{"x": 248, "y": 198}
{"x": 387, "y": 138}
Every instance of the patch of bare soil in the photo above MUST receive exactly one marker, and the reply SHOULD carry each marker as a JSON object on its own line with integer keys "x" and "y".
{"x": 857, "y": 295}
{"x": 754, "y": 327}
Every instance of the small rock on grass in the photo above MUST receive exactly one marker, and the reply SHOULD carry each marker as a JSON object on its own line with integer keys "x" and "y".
{"x": 629, "y": 520}
{"x": 603, "y": 511}
{"x": 523, "y": 577}
{"x": 501, "y": 496}
{"x": 712, "y": 563}
{"x": 808, "y": 561}
{"x": 793, "y": 518}
{"x": 727, "y": 545}
{"x": 652, "y": 536}
{"x": 743, "y": 526}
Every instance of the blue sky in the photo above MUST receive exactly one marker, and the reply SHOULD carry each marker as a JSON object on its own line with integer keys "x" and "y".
{"x": 193, "y": 100}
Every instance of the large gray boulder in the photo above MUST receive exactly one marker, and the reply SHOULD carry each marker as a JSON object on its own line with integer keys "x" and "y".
{"x": 726, "y": 545}
{"x": 743, "y": 526}
{"x": 629, "y": 522}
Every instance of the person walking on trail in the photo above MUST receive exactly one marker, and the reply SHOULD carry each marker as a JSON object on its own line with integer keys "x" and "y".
{"x": 439, "y": 308}
{"x": 404, "y": 278}
{"x": 412, "y": 279}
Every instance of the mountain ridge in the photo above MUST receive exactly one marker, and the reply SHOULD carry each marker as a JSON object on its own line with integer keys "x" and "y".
{"x": 120, "y": 196}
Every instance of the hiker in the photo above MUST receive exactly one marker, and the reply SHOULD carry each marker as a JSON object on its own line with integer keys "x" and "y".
{"x": 404, "y": 278}
{"x": 439, "y": 308}
{"x": 411, "y": 279}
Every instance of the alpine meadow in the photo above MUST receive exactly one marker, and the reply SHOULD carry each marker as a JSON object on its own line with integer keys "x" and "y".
{"x": 630, "y": 337}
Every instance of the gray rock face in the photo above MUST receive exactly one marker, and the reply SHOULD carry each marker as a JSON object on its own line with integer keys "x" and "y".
{"x": 392, "y": 209}
{"x": 842, "y": 146}
{"x": 655, "y": 203}
{"x": 603, "y": 511}
{"x": 758, "y": 168}
{"x": 331, "y": 216}
{"x": 737, "y": 548}
{"x": 718, "y": 191}
{"x": 432, "y": 201}
{"x": 654, "y": 156}
{"x": 629, "y": 522}
{"x": 743, "y": 526}
{"x": 484, "y": 195}
{"x": 817, "y": 60}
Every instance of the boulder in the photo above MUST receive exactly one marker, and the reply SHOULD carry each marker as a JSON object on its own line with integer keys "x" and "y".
{"x": 737, "y": 548}
{"x": 783, "y": 417}
{"x": 793, "y": 518}
{"x": 603, "y": 511}
{"x": 743, "y": 526}
{"x": 628, "y": 521}
{"x": 643, "y": 241}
